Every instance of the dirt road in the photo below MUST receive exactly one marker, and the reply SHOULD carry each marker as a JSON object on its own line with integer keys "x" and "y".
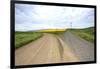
{"x": 48, "y": 49}
{"x": 55, "y": 49}
{"x": 82, "y": 48}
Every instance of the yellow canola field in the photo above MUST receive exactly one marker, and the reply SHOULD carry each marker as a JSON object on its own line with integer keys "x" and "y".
{"x": 52, "y": 30}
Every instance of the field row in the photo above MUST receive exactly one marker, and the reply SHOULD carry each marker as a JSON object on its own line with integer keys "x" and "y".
{"x": 22, "y": 38}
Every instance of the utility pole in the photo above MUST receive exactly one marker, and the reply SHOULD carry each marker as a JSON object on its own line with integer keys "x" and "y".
{"x": 71, "y": 24}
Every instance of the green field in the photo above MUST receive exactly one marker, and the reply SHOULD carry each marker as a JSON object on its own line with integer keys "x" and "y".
{"x": 22, "y": 38}
{"x": 87, "y": 33}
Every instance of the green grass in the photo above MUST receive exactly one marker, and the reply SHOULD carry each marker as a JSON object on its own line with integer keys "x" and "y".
{"x": 87, "y": 33}
{"x": 22, "y": 38}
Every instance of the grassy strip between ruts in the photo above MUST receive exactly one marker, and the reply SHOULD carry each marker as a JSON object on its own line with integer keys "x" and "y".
{"x": 23, "y": 38}
{"x": 87, "y": 34}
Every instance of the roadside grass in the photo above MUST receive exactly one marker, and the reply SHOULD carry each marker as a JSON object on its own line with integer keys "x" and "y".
{"x": 87, "y": 33}
{"x": 23, "y": 38}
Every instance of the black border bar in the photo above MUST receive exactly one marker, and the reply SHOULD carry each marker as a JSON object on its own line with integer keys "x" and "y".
{"x": 54, "y": 4}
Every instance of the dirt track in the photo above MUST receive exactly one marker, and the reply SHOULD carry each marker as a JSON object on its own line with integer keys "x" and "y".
{"x": 82, "y": 48}
{"x": 48, "y": 49}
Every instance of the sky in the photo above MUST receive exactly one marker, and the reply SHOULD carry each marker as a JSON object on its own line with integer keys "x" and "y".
{"x": 36, "y": 17}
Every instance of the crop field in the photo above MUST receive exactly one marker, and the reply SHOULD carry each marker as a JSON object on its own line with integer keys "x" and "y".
{"x": 87, "y": 33}
{"x": 22, "y": 38}
{"x": 52, "y": 30}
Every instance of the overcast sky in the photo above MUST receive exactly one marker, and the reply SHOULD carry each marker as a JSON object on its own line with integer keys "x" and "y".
{"x": 36, "y": 17}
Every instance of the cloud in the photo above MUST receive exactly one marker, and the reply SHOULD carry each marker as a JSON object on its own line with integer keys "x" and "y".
{"x": 34, "y": 17}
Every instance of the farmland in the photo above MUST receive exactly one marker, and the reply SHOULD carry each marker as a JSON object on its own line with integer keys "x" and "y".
{"x": 87, "y": 33}
{"x": 22, "y": 38}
